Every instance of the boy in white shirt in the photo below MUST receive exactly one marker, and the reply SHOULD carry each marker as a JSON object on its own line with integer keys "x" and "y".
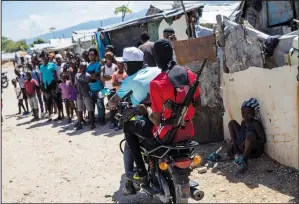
{"x": 19, "y": 95}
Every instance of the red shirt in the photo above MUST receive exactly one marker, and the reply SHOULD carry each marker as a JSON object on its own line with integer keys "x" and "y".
{"x": 30, "y": 86}
{"x": 161, "y": 90}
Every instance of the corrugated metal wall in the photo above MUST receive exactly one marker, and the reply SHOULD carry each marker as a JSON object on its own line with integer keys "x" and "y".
{"x": 126, "y": 37}
{"x": 153, "y": 30}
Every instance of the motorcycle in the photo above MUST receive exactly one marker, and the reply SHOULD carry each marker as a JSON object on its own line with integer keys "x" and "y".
{"x": 168, "y": 166}
{"x": 4, "y": 80}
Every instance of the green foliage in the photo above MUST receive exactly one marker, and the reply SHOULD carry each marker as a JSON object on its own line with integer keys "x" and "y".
{"x": 37, "y": 41}
{"x": 123, "y": 10}
{"x": 9, "y": 45}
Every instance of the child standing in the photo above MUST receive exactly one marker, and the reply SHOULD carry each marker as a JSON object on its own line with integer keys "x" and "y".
{"x": 30, "y": 90}
{"x": 95, "y": 86}
{"x": 117, "y": 78}
{"x": 82, "y": 80}
{"x": 66, "y": 91}
{"x": 19, "y": 96}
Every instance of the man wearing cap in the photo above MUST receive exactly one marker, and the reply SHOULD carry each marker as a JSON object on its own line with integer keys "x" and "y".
{"x": 169, "y": 34}
{"x": 138, "y": 80}
{"x": 161, "y": 89}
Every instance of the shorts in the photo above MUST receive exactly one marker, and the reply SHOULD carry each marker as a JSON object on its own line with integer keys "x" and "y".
{"x": 33, "y": 102}
{"x": 85, "y": 101}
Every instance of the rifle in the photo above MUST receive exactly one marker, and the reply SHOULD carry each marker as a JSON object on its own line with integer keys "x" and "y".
{"x": 181, "y": 110}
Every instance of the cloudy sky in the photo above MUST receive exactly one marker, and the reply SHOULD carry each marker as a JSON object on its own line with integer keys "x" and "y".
{"x": 26, "y": 19}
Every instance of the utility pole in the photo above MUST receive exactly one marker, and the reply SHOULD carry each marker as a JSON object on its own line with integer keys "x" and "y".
{"x": 186, "y": 17}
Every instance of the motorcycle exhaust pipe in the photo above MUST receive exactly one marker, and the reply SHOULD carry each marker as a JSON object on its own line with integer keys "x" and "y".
{"x": 196, "y": 194}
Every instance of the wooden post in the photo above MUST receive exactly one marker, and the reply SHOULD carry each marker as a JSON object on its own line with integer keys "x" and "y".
{"x": 186, "y": 17}
{"x": 220, "y": 30}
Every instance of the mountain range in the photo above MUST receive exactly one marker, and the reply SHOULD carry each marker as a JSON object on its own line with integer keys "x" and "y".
{"x": 67, "y": 32}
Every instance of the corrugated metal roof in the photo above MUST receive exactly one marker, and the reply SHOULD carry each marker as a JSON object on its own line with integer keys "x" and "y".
{"x": 165, "y": 14}
{"x": 83, "y": 35}
{"x": 132, "y": 22}
{"x": 56, "y": 42}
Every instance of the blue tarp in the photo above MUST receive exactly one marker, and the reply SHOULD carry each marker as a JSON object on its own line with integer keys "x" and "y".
{"x": 279, "y": 12}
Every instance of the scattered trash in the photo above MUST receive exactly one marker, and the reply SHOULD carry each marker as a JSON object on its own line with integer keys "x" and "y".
{"x": 215, "y": 156}
{"x": 108, "y": 196}
{"x": 202, "y": 170}
{"x": 222, "y": 190}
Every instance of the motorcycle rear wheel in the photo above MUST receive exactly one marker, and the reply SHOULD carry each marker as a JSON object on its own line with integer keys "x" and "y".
{"x": 175, "y": 198}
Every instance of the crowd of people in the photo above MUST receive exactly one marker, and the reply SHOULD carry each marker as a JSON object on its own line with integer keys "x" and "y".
{"x": 75, "y": 84}
{"x": 81, "y": 82}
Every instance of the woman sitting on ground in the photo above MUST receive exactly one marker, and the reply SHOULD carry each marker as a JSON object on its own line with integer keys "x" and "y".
{"x": 249, "y": 138}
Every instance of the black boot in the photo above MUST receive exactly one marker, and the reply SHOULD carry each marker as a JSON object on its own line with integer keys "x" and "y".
{"x": 129, "y": 188}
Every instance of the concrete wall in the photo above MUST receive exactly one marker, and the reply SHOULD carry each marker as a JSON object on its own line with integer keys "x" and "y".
{"x": 277, "y": 91}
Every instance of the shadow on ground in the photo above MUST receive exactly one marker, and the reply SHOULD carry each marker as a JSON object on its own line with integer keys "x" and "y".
{"x": 262, "y": 171}
{"x": 140, "y": 197}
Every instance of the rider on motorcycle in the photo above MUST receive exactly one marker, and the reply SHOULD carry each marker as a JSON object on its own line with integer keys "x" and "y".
{"x": 138, "y": 80}
{"x": 162, "y": 88}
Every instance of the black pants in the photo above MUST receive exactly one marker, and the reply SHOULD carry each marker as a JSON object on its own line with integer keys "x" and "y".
{"x": 25, "y": 98}
{"x": 112, "y": 113}
{"x": 51, "y": 95}
{"x": 39, "y": 96}
{"x": 131, "y": 130}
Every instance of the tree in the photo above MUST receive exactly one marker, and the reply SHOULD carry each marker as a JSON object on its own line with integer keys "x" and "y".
{"x": 52, "y": 30}
{"x": 123, "y": 10}
{"x": 38, "y": 41}
{"x": 9, "y": 45}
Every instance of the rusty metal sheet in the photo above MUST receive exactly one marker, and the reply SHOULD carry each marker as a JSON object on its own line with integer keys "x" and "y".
{"x": 197, "y": 49}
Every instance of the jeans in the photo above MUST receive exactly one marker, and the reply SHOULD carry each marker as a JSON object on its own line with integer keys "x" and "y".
{"x": 128, "y": 159}
{"x": 132, "y": 129}
{"x": 99, "y": 104}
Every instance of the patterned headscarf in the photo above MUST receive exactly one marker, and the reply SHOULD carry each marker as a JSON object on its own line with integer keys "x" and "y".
{"x": 254, "y": 104}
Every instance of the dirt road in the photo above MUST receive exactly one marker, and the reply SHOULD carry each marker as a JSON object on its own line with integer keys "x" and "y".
{"x": 49, "y": 162}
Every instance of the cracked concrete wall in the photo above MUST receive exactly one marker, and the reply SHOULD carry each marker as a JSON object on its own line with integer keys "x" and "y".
{"x": 242, "y": 49}
{"x": 208, "y": 121}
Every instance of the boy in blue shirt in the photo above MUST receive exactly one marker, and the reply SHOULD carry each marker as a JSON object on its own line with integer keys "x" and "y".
{"x": 96, "y": 85}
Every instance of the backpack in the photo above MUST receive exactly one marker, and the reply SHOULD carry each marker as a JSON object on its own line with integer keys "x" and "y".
{"x": 179, "y": 78}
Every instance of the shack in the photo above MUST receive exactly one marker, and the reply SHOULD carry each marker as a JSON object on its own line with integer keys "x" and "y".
{"x": 128, "y": 33}
{"x": 84, "y": 40}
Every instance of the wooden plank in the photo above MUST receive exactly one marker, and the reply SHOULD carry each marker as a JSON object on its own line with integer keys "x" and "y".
{"x": 197, "y": 49}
